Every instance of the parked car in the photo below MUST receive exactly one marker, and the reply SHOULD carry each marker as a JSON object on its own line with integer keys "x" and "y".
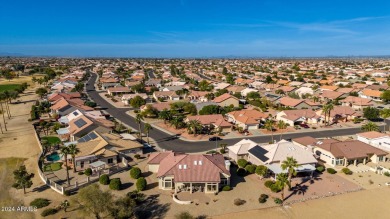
{"x": 304, "y": 125}
{"x": 215, "y": 138}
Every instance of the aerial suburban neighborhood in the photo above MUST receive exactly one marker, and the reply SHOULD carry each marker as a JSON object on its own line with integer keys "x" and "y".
{"x": 208, "y": 137}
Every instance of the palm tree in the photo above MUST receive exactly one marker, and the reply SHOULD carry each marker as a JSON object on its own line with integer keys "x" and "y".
{"x": 281, "y": 125}
{"x": 64, "y": 151}
{"x": 385, "y": 113}
{"x": 194, "y": 125}
{"x": 139, "y": 118}
{"x": 147, "y": 128}
{"x": 73, "y": 151}
{"x": 370, "y": 126}
{"x": 282, "y": 181}
{"x": 290, "y": 164}
{"x": 269, "y": 125}
{"x": 2, "y": 98}
{"x": 165, "y": 115}
{"x": 330, "y": 108}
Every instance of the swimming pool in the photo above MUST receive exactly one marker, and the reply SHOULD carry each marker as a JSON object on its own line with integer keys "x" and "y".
{"x": 53, "y": 157}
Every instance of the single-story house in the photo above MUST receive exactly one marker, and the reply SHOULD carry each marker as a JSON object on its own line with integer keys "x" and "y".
{"x": 247, "y": 119}
{"x": 240, "y": 149}
{"x": 376, "y": 139}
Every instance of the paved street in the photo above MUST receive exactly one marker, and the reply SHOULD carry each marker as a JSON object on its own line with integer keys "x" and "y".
{"x": 169, "y": 142}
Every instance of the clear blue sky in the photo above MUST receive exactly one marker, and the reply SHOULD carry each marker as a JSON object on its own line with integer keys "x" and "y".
{"x": 189, "y": 28}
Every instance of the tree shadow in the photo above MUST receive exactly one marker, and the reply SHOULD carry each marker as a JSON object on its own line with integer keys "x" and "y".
{"x": 298, "y": 190}
{"x": 151, "y": 186}
{"x": 146, "y": 174}
{"x": 235, "y": 179}
{"x": 40, "y": 188}
{"x": 126, "y": 185}
{"x": 151, "y": 208}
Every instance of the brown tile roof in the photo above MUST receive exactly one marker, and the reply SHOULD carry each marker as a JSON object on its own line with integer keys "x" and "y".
{"x": 66, "y": 96}
{"x": 351, "y": 149}
{"x": 183, "y": 168}
{"x": 223, "y": 97}
{"x": 288, "y": 101}
{"x": 296, "y": 114}
{"x": 331, "y": 94}
{"x": 118, "y": 89}
{"x": 216, "y": 119}
{"x": 372, "y": 134}
{"x": 372, "y": 93}
{"x": 74, "y": 128}
{"x": 306, "y": 140}
{"x": 248, "y": 116}
{"x": 235, "y": 88}
{"x": 329, "y": 87}
{"x": 357, "y": 101}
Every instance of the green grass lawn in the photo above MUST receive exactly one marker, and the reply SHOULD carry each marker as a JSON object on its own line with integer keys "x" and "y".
{"x": 52, "y": 139}
{"x": 8, "y": 87}
{"x": 53, "y": 166}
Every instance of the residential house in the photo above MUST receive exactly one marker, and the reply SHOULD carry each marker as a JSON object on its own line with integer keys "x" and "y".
{"x": 198, "y": 96}
{"x": 356, "y": 103}
{"x": 127, "y": 97}
{"x": 187, "y": 172}
{"x": 165, "y": 95}
{"x": 376, "y": 139}
{"x": 374, "y": 95}
{"x": 293, "y": 103}
{"x": 295, "y": 117}
{"x": 240, "y": 149}
{"x": 226, "y": 100}
{"x": 246, "y": 119}
{"x": 273, "y": 155}
{"x": 340, "y": 114}
{"x": 344, "y": 153}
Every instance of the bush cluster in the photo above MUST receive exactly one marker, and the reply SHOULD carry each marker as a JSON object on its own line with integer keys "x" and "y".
{"x": 263, "y": 198}
{"x": 387, "y": 174}
{"x": 135, "y": 172}
{"x": 40, "y": 202}
{"x": 331, "y": 171}
{"x": 141, "y": 184}
{"x": 242, "y": 163}
{"x": 268, "y": 183}
{"x": 104, "y": 179}
{"x": 49, "y": 211}
{"x": 250, "y": 168}
{"x": 320, "y": 169}
{"x": 88, "y": 171}
{"x": 278, "y": 201}
{"x": 226, "y": 188}
{"x": 137, "y": 156}
{"x": 346, "y": 171}
{"x": 239, "y": 202}
{"x": 115, "y": 184}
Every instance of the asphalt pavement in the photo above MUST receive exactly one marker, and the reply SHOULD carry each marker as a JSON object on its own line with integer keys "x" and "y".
{"x": 171, "y": 142}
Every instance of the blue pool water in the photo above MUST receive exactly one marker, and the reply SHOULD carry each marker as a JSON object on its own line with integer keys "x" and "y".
{"x": 53, "y": 157}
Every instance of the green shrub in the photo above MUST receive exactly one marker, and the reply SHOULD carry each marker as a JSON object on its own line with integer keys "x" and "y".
{"x": 48, "y": 211}
{"x": 250, "y": 168}
{"x": 104, "y": 179}
{"x": 346, "y": 171}
{"x": 226, "y": 188}
{"x": 275, "y": 188}
{"x": 241, "y": 172}
{"x": 137, "y": 156}
{"x": 115, "y": 184}
{"x": 263, "y": 198}
{"x": 242, "y": 163}
{"x": 88, "y": 171}
{"x": 141, "y": 184}
{"x": 386, "y": 174}
{"x": 278, "y": 201}
{"x": 138, "y": 197}
{"x": 184, "y": 215}
{"x": 222, "y": 151}
{"x": 135, "y": 172}
{"x": 331, "y": 171}
{"x": 80, "y": 173}
{"x": 239, "y": 202}
{"x": 320, "y": 169}
{"x": 268, "y": 183}
{"x": 40, "y": 202}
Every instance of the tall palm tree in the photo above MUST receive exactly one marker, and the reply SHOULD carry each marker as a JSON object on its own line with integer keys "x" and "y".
{"x": 64, "y": 151}
{"x": 282, "y": 182}
{"x": 281, "y": 125}
{"x": 2, "y": 98}
{"x": 269, "y": 125}
{"x": 73, "y": 151}
{"x": 385, "y": 113}
{"x": 325, "y": 111}
{"x": 147, "y": 128}
{"x": 139, "y": 118}
{"x": 290, "y": 164}
{"x": 330, "y": 108}
{"x": 370, "y": 126}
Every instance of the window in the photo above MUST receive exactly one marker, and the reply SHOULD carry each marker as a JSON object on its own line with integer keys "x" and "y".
{"x": 224, "y": 181}
{"x": 380, "y": 158}
{"x": 110, "y": 160}
{"x": 167, "y": 183}
{"x": 82, "y": 164}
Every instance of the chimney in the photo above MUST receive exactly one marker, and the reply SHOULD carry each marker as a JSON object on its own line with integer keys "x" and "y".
{"x": 227, "y": 165}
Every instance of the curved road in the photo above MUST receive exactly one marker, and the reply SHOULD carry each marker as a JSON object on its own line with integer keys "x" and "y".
{"x": 170, "y": 142}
